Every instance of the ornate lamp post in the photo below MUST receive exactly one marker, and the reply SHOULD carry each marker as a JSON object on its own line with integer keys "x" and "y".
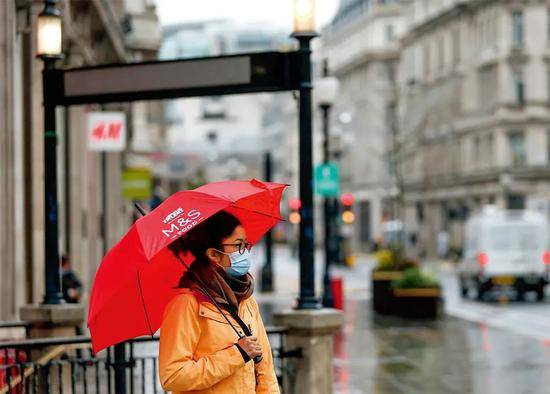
{"x": 304, "y": 32}
{"x": 49, "y": 49}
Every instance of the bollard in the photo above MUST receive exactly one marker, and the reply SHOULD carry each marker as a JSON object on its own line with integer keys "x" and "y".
{"x": 337, "y": 284}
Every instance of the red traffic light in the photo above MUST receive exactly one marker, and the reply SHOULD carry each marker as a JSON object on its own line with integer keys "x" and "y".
{"x": 347, "y": 199}
{"x": 295, "y": 204}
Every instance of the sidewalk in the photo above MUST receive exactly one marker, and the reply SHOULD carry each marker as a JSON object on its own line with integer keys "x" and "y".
{"x": 389, "y": 355}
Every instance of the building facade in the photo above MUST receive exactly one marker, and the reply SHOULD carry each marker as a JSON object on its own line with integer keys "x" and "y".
{"x": 474, "y": 91}
{"x": 361, "y": 45}
{"x": 95, "y": 32}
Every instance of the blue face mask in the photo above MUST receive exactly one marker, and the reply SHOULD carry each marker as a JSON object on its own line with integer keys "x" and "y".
{"x": 240, "y": 264}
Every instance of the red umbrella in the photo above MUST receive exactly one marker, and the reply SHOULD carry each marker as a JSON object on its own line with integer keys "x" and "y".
{"x": 139, "y": 275}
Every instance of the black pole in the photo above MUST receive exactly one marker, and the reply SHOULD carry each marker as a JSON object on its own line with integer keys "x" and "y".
{"x": 267, "y": 269}
{"x": 306, "y": 299}
{"x": 51, "y": 229}
{"x": 104, "y": 230}
{"x": 328, "y": 299}
{"x": 120, "y": 367}
{"x": 120, "y": 364}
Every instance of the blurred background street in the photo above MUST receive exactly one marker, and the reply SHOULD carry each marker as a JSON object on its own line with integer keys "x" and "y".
{"x": 477, "y": 348}
{"x": 413, "y": 134}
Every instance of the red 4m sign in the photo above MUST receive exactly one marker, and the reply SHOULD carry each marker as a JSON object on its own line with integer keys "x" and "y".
{"x": 106, "y": 131}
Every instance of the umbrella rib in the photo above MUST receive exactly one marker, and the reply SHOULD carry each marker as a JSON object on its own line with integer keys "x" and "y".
{"x": 144, "y": 307}
{"x": 258, "y": 212}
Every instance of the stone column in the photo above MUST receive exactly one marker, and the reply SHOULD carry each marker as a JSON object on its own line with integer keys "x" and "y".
{"x": 312, "y": 331}
{"x": 7, "y": 161}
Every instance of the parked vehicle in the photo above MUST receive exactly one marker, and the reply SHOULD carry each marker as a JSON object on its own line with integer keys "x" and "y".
{"x": 506, "y": 250}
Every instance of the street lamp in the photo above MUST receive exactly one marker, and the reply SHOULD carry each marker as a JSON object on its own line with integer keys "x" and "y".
{"x": 49, "y": 32}
{"x": 326, "y": 90}
{"x": 49, "y": 44}
{"x": 304, "y": 32}
{"x": 304, "y": 16}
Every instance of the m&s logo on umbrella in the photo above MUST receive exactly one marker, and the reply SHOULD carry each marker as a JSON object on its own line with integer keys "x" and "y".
{"x": 180, "y": 222}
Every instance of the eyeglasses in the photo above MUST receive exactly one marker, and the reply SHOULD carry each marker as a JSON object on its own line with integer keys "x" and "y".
{"x": 241, "y": 246}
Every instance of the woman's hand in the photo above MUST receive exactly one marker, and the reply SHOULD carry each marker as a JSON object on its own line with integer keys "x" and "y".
{"x": 251, "y": 346}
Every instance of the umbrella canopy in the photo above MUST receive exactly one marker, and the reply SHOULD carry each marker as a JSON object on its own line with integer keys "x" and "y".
{"x": 139, "y": 275}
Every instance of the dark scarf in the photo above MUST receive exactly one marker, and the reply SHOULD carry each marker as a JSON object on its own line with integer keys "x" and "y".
{"x": 224, "y": 288}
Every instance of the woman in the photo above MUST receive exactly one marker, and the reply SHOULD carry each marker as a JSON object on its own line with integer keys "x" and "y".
{"x": 199, "y": 351}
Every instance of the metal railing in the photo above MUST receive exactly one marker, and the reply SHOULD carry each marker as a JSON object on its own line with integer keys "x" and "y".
{"x": 67, "y": 365}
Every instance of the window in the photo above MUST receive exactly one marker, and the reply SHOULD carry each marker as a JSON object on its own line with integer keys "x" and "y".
{"x": 391, "y": 117}
{"x": 426, "y": 59}
{"x": 519, "y": 87}
{"x": 515, "y": 201}
{"x": 389, "y": 33}
{"x": 487, "y": 87}
{"x": 419, "y": 212}
{"x": 477, "y": 151}
{"x": 456, "y": 46}
{"x": 516, "y": 146}
{"x": 490, "y": 151}
{"x": 390, "y": 71}
{"x": 517, "y": 29}
{"x": 441, "y": 52}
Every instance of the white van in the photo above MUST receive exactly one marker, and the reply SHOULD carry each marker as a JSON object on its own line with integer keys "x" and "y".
{"x": 505, "y": 249}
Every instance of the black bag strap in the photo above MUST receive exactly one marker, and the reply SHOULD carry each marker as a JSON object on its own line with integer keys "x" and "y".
{"x": 235, "y": 315}
{"x": 233, "y": 312}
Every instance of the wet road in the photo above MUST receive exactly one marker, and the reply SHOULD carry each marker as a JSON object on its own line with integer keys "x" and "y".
{"x": 390, "y": 355}
{"x": 476, "y": 348}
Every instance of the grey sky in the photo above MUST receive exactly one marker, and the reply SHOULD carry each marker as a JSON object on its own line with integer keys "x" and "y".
{"x": 274, "y": 12}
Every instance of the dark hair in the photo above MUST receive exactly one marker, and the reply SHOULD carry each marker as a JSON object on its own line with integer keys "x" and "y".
{"x": 208, "y": 234}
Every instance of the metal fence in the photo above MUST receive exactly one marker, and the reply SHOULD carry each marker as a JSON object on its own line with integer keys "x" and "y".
{"x": 67, "y": 365}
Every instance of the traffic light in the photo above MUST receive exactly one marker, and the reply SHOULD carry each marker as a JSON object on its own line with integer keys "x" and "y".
{"x": 347, "y": 200}
{"x": 294, "y": 217}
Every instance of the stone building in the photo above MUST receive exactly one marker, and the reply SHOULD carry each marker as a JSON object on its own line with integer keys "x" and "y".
{"x": 474, "y": 94}
{"x": 95, "y": 32}
{"x": 218, "y": 136}
{"x": 361, "y": 45}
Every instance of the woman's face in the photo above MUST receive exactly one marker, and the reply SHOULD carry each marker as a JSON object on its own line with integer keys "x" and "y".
{"x": 229, "y": 245}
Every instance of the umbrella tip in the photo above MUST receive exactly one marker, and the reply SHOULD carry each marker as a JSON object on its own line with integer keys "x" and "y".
{"x": 140, "y": 209}
{"x": 258, "y": 183}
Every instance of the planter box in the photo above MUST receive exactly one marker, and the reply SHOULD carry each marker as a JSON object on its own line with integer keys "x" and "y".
{"x": 418, "y": 303}
{"x": 383, "y": 299}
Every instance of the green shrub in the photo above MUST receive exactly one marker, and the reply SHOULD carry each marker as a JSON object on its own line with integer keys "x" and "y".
{"x": 393, "y": 260}
{"x": 414, "y": 278}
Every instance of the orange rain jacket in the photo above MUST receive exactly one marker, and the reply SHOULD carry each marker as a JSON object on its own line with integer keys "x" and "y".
{"x": 198, "y": 353}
